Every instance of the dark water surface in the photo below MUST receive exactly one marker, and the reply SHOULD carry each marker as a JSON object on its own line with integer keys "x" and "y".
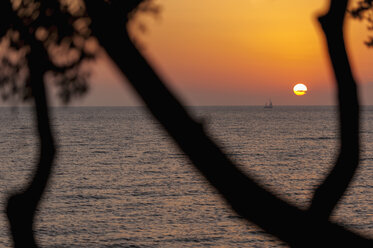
{"x": 120, "y": 181}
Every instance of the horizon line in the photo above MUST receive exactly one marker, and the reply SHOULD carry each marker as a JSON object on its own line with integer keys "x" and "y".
{"x": 112, "y": 106}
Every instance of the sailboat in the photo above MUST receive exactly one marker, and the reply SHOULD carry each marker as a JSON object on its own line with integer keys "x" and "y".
{"x": 268, "y": 104}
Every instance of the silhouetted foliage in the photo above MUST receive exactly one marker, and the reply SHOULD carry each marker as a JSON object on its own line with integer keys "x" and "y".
{"x": 299, "y": 228}
{"x": 364, "y": 11}
{"x": 62, "y": 28}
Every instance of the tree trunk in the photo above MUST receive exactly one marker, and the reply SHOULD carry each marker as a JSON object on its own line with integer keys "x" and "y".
{"x": 21, "y": 206}
{"x": 332, "y": 189}
{"x": 247, "y": 198}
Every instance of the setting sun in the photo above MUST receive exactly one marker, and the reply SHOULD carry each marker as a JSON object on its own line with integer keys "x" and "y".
{"x": 300, "y": 89}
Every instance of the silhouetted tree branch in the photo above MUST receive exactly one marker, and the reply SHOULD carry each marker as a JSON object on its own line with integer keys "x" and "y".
{"x": 247, "y": 198}
{"x": 364, "y": 11}
{"x": 21, "y": 32}
{"x": 332, "y": 189}
{"x": 21, "y": 206}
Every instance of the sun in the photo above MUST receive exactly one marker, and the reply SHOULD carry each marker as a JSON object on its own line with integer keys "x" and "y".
{"x": 300, "y": 89}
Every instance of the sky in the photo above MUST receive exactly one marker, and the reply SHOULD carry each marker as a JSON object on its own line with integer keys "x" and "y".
{"x": 237, "y": 52}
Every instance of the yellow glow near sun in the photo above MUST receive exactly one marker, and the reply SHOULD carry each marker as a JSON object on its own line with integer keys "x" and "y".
{"x": 300, "y": 89}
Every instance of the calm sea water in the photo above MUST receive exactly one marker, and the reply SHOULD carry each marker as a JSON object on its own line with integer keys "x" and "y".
{"x": 119, "y": 180}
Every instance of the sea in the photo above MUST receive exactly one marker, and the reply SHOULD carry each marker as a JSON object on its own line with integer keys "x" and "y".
{"x": 120, "y": 181}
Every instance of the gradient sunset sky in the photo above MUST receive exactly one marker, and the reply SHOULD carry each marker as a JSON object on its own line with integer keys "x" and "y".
{"x": 239, "y": 52}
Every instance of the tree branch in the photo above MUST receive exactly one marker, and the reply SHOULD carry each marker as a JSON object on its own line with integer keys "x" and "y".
{"x": 332, "y": 189}
{"x": 246, "y": 197}
{"x": 21, "y": 206}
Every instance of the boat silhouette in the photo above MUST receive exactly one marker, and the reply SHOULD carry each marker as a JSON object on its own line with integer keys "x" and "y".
{"x": 268, "y": 104}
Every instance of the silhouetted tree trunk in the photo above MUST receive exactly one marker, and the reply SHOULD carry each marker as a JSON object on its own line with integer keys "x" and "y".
{"x": 290, "y": 224}
{"x": 22, "y": 206}
{"x": 332, "y": 189}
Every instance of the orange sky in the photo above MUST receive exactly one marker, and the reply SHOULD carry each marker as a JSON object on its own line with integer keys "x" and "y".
{"x": 239, "y": 52}
{"x": 244, "y": 52}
